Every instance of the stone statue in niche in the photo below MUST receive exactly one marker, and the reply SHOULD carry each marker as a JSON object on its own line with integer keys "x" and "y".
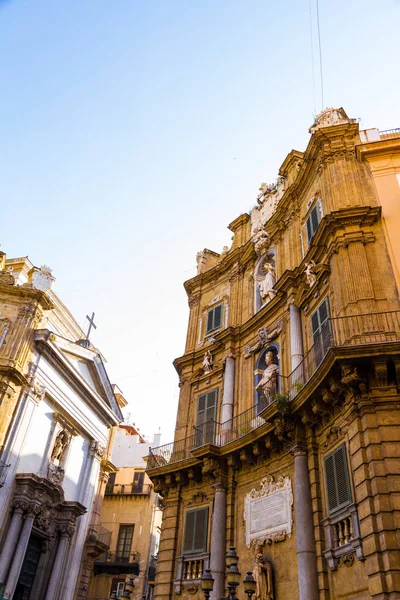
{"x": 207, "y": 362}
{"x": 60, "y": 446}
{"x": 268, "y": 381}
{"x": 266, "y": 286}
{"x": 310, "y": 273}
{"x": 262, "y": 573}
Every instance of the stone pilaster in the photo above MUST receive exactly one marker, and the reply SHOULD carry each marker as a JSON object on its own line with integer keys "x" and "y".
{"x": 168, "y": 546}
{"x": 218, "y": 541}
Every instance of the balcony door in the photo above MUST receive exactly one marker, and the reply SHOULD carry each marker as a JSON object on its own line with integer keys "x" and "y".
{"x": 206, "y": 418}
{"x": 321, "y": 332}
{"x": 124, "y": 543}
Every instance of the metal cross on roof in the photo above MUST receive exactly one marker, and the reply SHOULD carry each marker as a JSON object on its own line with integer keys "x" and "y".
{"x": 91, "y": 324}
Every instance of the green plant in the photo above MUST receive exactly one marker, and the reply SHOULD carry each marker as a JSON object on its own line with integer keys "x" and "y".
{"x": 298, "y": 385}
{"x": 282, "y": 403}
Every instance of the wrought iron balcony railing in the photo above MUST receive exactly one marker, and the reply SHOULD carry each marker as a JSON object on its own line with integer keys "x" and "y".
{"x": 120, "y": 489}
{"x": 339, "y": 332}
{"x": 98, "y": 533}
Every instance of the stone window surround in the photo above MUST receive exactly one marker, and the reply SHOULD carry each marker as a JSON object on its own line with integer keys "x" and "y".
{"x": 312, "y": 203}
{"x": 181, "y": 561}
{"x": 222, "y": 299}
{"x": 334, "y": 553}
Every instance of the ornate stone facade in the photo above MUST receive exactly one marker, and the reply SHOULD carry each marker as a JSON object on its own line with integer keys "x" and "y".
{"x": 331, "y": 422}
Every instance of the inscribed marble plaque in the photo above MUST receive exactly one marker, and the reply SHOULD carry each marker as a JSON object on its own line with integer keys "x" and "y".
{"x": 268, "y": 511}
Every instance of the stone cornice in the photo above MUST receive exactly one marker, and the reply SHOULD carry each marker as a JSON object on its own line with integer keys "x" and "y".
{"x": 46, "y": 342}
{"x": 373, "y": 149}
{"x": 238, "y": 257}
{"x": 38, "y": 297}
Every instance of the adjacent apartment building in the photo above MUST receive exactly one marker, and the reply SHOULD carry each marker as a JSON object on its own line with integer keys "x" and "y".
{"x": 287, "y": 433}
{"x": 57, "y": 408}
{"x": 132, "y": 513}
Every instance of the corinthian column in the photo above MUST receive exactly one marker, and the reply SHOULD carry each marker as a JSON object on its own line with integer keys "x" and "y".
{"x": 10, "y": 542}
{"x": 228, "y": 397}
{"x": 305, "y": 541}
{"x": 57, "y": 567}
{"x": 218, "y": 541}
{"x": 296, "y": 342}
{"x": 19, "y": 555}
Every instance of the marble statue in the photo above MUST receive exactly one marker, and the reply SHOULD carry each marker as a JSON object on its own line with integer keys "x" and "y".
{"x": 60, "y": 445}
{"x": 262, "y": 573}
{"x": 268, "y": 381}
{"x": 309, "y": 271}
{"x": 266, "y": 286}
{"x": 207, "y": 362}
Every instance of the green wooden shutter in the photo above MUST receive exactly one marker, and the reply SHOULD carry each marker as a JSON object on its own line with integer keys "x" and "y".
{"x": 337, "y": 479}
{"x": 189, "y": 531}
{"x": 195, "y": 536}
{"x": 312, "y": 222}
{"x": 200, "y": 534}
{"x": 201, "y": 409}
{"x": 217, "y": 317}
{"x": 210, "y": 320}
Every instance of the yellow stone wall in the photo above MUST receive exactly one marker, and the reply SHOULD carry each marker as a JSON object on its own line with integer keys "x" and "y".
{"x": 356, "y": 252}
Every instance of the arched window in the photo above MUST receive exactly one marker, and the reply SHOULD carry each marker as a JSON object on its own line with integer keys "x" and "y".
{"x": 264, "y": 280}
{"x": 266, "y": 369}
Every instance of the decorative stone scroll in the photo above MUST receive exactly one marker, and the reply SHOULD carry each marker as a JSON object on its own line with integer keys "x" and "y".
{"x": 268, "y": 511}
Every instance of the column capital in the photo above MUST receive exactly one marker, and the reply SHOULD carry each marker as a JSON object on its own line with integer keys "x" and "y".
{"x": 298, "y": 449}
{"x": 219, "y": 486}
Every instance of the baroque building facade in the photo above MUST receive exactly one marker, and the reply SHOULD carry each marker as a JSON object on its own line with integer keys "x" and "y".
{"x": 132, "y": 512}
{"x": 286, "y": 441}
{"x": 57, "y": 410}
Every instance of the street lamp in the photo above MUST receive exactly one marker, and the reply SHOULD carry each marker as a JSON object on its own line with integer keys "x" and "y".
{"x": 232, "y": 577}
{"x": 128, "y": 589}
{"x": 207, "y": 583}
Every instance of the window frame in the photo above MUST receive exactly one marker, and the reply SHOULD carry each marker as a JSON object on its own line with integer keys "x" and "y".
{"x": 206, "y": 433}
{"x": 194, "y": 550}
{"x": 125, "y": 556}
{"x": 310, "y": 227}
{"x": 340, "y": 506}
{"x": 212, "y": 311}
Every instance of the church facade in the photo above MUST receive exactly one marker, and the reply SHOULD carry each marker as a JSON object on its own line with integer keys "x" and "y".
{"x": 286, "y": 443}
{"x": 57, "y": 410}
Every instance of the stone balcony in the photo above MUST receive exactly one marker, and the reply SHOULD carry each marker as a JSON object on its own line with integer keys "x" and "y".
{"x": 360, "y": 336}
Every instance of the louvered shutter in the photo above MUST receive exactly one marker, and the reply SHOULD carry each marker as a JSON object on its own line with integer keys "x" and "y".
{"x": 323, "y": 312}
{"x": 217, "y": 316}
{"x": 337, "y": 480}
{"x": 314, "y": 219}
{"x": 189, "y": 531}
{"x": 211, "y": 405}
{"x": 200, "y": 535}
{"x": 309, "y": 230}
{"x": 201, "y": 409}
{"x": 210, "y": 321}
{"x": 315, "y": 324}
{"x": 195, "y": 537}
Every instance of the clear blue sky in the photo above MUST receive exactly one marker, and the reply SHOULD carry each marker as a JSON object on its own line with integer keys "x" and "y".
{"x": 133, "y": 131}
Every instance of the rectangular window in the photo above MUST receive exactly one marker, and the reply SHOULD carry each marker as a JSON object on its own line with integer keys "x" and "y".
{"x": 338, "y": 489}
{"x": 124, "y": 543}
{"x": 117, "y": 586}
{"x": 214, "y": 319}
{"x": 312, "y": 222}
{"x": 195, "y": 535}
{"x": 138, "y": 481}
{"x": 206, "y": 418}
{"x": 321, "y": 332}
